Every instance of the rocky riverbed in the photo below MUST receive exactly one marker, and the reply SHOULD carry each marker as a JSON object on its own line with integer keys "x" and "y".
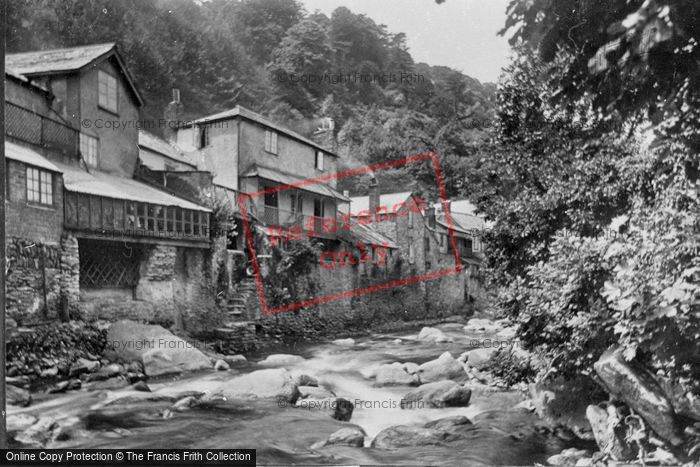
{"x": 403, "y": 398}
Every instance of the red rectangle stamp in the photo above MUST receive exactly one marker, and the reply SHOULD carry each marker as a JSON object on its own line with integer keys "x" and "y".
{"x": 344, "y": 221}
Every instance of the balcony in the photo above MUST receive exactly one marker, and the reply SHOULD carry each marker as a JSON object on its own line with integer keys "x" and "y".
{"x": 110, "y": 217}
{"x": 309, "y": 224}
{"x": 30, "y": 127}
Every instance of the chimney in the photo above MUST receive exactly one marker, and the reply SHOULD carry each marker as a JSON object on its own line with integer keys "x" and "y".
{"x": 173, "y": 117}
{"x": 373, "y": 194}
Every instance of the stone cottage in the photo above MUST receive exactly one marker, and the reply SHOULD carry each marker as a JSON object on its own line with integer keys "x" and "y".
{"x": 83, "y": 235}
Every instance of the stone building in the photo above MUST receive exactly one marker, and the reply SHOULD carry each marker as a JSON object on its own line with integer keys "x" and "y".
{"x": 84, "y": 236}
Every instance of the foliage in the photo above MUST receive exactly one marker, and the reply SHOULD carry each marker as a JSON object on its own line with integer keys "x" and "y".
{"x": 511, "y": 368}
{"x": 595, "y": 233}
{"x": 288, "y": 278}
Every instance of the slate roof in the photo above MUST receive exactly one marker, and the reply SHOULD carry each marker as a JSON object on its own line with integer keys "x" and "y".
{"x": 28, "y": 156}
{"x": 56, "y": 60}
{"x": 112, "y": 186}
{"x": 366, "y": 235}
{"x": 284, "y": 178}
{"x": 66, "y": 60}
{"x": 164, "y": 148}
{"x": 242, "y": 112}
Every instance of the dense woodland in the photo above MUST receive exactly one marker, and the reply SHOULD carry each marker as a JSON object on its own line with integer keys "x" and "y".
{"x": 224, "y": 53}
{"x": 589, "y": 176}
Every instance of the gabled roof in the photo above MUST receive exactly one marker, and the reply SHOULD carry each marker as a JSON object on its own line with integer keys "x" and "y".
{"x": 388, "y": 200}
{"x": 164, "y": 148}
{"x": 68, "y": 60}
{"x": 242, "y": 112}
{"x": 284, "y": 178}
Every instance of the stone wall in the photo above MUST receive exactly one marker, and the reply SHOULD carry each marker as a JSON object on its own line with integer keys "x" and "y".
{"x": 33, "y": 280}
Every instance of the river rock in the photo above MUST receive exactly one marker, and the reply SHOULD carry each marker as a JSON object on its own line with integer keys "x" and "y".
{"x": 185, "y": 403}
{"x": 433, "y": 335}
{"x": 506, "y": 333}
{"x": 444, "y": 367}
{"x": 115, "y": 382}
{"x": 49, "y": 372}
{"x": 160, "y": 351}
{"x": 481, "y": 325}
{"x": 17, "y": 396}
{"x": 305, "y": 380}
{"x": 349, "y": 342}
{"x": 141, "y": 386}
{"x": 448, "y": 423}
{"x": 83, "y": 365}
{"x": 397, "y": 374}
{"x": 269, "y": 383}
{"x": 234, "y": 360}
{"x": 438, "y": 394}
{"x": 568, "y": 457}
{"x": 640, "y": 391}
{"x": 402, "y": 436}
{"x": 314, "y": 392}
{"x": 343, "y": 409}
{"x": 350, "y": 436}
{"x": 684, "y": 401}
{"x": 19, "y": 422}
{"x": 397, "y": 341}
{"x": 39, "y": 433}
{"x": 280, "y": 359}
{"x": 221, "y": 365}
{"x": 609, "y": 436}
{"x": 480, "y": 358}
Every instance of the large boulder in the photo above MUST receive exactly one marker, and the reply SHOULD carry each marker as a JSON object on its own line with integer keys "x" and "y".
{"x": 281, "y": 360}
{"x": 609, "y": 433}
{"x": 438, "y": 394}
{"x": 273, "y": 383}
{"x": 403, "y": 436}
{"x": 160, "y": 351}
{"x": 444, "y": 367}
{"x": 480, "y": 358}
{"x": 433, "y": 335}
{"x": 640, "y": 391}
{"x": 397, "y": 374}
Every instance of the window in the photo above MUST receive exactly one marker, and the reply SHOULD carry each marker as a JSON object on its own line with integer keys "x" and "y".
{"x": 88, "y": 149}
{"x": 203, "y": 136}
{"x": 319, "y": 160}
{"x": 319, "y": 210}
{"x": 271, "y": 141}
{"x": 411, "y": 253}
{"x": 39, "y": 186}
{"x": 107, "y": 91}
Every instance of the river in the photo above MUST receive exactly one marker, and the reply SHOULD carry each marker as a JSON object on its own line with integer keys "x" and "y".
{"x": 500, "y": 435}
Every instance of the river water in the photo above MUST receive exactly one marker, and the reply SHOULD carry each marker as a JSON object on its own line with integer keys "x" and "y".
{"x": 499, "y": 435}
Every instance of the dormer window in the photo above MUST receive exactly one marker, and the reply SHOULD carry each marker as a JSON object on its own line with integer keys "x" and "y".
{"x": 107, "y": 91}
{"x": 271, "y": 141}
{"x": 88, "y": 149}
{"x": 319, "y": 160}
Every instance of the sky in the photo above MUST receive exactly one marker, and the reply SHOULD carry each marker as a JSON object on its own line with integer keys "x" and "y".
{"x": 461, "y": 34}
